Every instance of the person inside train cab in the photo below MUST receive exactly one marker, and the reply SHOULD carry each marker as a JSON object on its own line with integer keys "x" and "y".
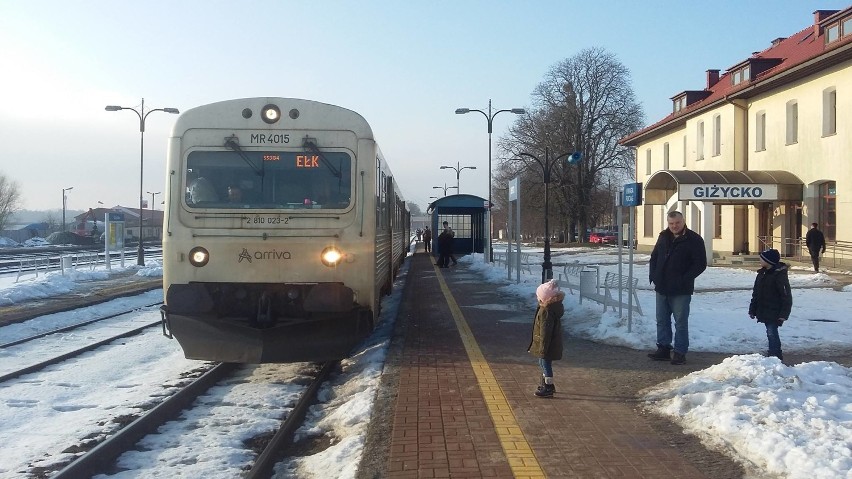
{"x": 200, "y": 189}
{"x": 235, "y": 194}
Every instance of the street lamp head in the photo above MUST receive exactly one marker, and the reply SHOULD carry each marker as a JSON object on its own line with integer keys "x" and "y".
{"x": 462, "y": 111}
{"x": 445, "y": 167}
{"x": 437, "y": 187}
{"x": 171, "y": 110}
{"x": 112, "y": 108}
{"x": 518, "y": 111}
{"x": 69, "y": 188}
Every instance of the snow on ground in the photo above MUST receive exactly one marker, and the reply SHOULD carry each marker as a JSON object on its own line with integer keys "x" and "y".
{"x": 793, "y": 421}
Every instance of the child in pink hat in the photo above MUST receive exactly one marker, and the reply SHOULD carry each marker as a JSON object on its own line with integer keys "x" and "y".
{"x": 546, "y": 342}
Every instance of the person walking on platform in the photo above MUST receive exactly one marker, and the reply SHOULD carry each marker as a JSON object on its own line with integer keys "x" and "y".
{"x": 815, "y": 241}
{"x": 771, "y": 300}
{"x": 445, "y": 248}
{"x": 453, "y": 235}
{"x": 677, "y": 259}
{"x": 546, "y": 342}
{"x": 427, "y": 239}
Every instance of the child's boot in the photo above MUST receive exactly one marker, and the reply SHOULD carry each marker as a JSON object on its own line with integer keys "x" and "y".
{"x": 547, "y": 389}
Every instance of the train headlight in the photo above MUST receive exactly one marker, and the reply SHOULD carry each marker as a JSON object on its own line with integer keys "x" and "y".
{"x": 270, "y": 114}
{"x": 198, "y": 256}
{"x": 331, "y": 256}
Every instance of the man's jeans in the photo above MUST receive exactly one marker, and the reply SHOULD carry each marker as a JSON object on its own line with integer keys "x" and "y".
{"x": 677, "y": 306}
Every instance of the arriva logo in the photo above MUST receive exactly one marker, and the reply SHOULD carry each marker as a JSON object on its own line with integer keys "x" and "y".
{"x": 262, "y": 255}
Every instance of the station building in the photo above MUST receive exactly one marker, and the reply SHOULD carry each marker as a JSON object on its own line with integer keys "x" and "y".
{"x": 763, "y": 151}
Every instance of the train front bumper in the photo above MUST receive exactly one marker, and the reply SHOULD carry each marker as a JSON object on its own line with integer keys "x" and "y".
{"x": 209, "y": 331}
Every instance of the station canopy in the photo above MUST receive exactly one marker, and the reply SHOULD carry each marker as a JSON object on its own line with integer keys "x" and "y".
{"x": 723, "y": 187}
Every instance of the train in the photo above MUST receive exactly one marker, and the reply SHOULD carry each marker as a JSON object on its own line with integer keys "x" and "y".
{"x": 283, "y": 229}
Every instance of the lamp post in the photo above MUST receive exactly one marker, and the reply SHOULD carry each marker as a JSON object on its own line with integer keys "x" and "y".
{"x": 142, "y": 114}
{"x": 152, "y": 210}
{"x": 63, "y": 205}
{"x": 445, "y": 188}
{"x": 573, "y": 157}
{"x": 490, "y": 118}
{"x": 458, "y": 169}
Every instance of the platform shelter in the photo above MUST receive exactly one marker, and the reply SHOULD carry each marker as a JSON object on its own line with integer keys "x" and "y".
{"x": 466, "y": 215}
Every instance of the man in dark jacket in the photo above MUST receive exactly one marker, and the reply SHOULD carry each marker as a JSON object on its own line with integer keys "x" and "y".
{"x": 815, "y": 241}
{"x": 678, "y": 258}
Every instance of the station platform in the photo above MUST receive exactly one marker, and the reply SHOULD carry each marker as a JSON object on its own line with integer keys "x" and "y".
{"x": 457, "y": 396}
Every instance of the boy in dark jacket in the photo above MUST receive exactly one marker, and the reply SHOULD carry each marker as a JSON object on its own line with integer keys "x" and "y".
{"x": 546, "y": 343}
{"x": 771, "y": 300}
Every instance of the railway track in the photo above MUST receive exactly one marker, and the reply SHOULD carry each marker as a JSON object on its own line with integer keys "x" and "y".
{"x": 101, "y": 458}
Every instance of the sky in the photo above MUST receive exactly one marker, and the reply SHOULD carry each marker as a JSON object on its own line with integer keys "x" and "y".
{"x": 787, "y": 420}
{"x": 404, "y": 66}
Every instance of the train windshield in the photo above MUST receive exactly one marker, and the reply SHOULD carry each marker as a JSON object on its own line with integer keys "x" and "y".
{"x": 268, "y": 180}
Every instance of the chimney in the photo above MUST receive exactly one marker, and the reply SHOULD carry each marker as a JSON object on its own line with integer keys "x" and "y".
{"x": 777, "y": 41}
{"x": 819, "y": 16}
{"x": 712, "y": 78}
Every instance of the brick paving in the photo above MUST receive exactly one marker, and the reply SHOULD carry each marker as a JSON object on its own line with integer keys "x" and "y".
{"x": 440, "y": 424}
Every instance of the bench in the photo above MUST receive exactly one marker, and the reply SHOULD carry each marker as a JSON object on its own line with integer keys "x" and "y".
{"x": 505, "y": 259}
{"x": 570, "y": 276}
{"x": 611, "y": 285}
{"x": 525, "y": 261}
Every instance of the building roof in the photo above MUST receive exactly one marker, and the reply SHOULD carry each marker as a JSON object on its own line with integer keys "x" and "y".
{"x": 786, "y": 60}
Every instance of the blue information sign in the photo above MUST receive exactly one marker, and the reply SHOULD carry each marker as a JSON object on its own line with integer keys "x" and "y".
{"x": 632, "y": 194}
{"x": 116, "y": 216}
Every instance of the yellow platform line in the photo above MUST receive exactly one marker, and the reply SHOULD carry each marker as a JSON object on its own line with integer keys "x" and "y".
{"x": 520, "y": 455}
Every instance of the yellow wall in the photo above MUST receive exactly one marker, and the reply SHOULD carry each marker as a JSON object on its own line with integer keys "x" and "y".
{"x": 814, "y": 158}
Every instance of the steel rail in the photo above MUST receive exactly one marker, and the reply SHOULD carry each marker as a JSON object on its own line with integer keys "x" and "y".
{"x": 73, "y": 326}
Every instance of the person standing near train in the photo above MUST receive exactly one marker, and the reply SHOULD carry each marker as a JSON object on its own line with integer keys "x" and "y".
{"x": 445, "y": 247}
{"x": 427, "y": 239}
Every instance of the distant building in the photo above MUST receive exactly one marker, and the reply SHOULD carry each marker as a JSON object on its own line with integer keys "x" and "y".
{"x": 152, "y": 222}
{"x": 761, "y": 151}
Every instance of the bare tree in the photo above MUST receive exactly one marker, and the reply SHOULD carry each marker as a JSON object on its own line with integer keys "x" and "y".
{"x": 10, "y": 199}
{"x": 584, "y": 104}
{"x": 52, "y": 220}
{"x": 414, "y": 208}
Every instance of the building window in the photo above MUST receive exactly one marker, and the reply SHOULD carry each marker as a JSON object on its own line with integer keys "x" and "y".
{"x": 648, "y": 216}
{"x": 717, "y": 221}
{"x": 832, "y": 33}
{"x": 684, "y": 151}
{"x": 792, "y": 122}
{"x": 665, "y": 156}
{"x": 760, "y": 131}
{"x": 717, "y": 135}
{"x": 461, "y": 225}
{"x": 679, "y": 104}
{"x": 648, "y": 162}
{"x": 828, "y": 210}
{"x": 847, "y": 27}
{"x": 699, "y": 142}
{"x": 829, "y": 111}
{"x": 741, "y": 75}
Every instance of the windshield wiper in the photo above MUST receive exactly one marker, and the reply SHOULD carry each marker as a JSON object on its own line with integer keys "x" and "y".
{"x": 232, "y": 143}
{"x": 311, "y": 145}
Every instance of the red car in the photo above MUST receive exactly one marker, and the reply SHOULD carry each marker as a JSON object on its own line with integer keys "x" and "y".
{"x": 603, "y": 237}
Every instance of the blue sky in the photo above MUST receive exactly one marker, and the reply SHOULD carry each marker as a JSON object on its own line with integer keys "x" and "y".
{"x": 405, "y": 66}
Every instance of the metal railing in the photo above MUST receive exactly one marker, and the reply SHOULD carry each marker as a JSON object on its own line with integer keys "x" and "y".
{"x": 837, "y": 253}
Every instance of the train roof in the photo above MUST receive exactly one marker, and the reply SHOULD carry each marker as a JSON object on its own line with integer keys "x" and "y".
{"x": 311, "y": 115}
